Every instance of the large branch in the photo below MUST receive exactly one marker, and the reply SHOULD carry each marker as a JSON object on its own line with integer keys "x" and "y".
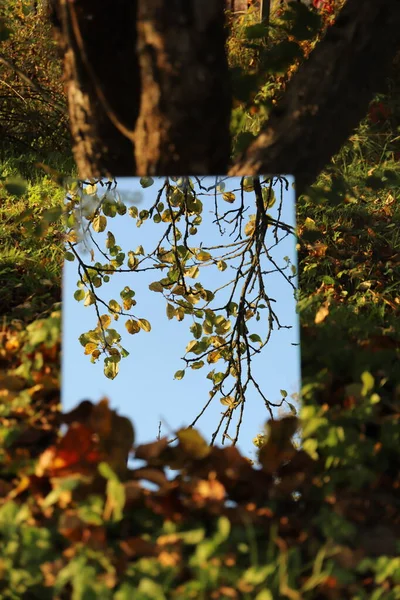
{"x": 329, "y": 95}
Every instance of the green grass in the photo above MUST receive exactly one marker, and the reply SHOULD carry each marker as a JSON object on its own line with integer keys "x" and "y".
{"x": 31, "y": 252}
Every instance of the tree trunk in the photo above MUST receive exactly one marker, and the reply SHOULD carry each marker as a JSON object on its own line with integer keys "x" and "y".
{"x": 156, "y": 77}
{"x": 102, "y": 82}
{"x": 265, "y": 9}
{"x": 148, "y": 87}
{"x": 329, "y": 95}
{"x": 183, "y": 126}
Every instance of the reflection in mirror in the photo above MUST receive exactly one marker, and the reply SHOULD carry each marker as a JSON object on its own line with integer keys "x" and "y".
{"x": 179, "y": 303}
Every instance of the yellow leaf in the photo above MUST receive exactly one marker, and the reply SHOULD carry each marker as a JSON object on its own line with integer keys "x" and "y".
{"x": 132, "y": 326}
{"x": 90, "y": 347}
{"x": 221, "y": 264}
{"x": 144, "y": 324}
{"x": 322, "y": 313}
{"x": 203, "y": 256}
{"x": 105, "y": 320}
{"x": 229, "y": 401}
{"x": 309, "y": 223}
{"x": 229, "y": 197}
{"x": 90, "y": 299}
{"x": 248, "y": 184}
{"x": 180, "y": 313}
{"x": 191, "y": 345}
{"x": 250, "y": 226}
{"x": 72, "y": 236}
{"x": 214, "y": 356}
{"x": 193, "y": 272}
{"x": 170, "y": 311}
{"x": 99, "y": 223}
{"x": 91, "y": 189}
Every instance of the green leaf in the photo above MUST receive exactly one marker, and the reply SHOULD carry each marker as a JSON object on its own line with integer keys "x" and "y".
{"x": 52, "y": 214}
{"x": 116, "y": 498}
{"x": 179, "y": 374}
{"x": 368, "y": 383}
{"x": 284, "y": 393}
{"x": 15, "y": 187}
{"x": 110, "y": 368}
{"x": 79, "y": 295}
{"x": 146, "y": 181}
{"x": 148, "y": 589}
{"x": 69, "y": 256}
{"x": 253, "y": 32}
{"x": 197, "y": 365}
{"x": 223, "y": 528}
{"x": 254, "y": 337}
{"x": 196, "y": 330}
{"x": 114, "y": 306}
{"x": 328, "y": 280}
{"x": 268, "y": 197}
{"x": 106, "y": 471}
{"x": 110, "y": 242}
{"x": 248, "y": 184}
{"x": 156, "y": 286}
{"x": 192, "y": 443}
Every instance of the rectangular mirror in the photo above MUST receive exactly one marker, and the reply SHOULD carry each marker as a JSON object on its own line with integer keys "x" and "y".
{"x": 179, "y": 303}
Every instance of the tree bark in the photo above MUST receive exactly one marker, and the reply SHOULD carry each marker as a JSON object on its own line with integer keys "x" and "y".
{"x": 183, "y": 125}
{"x": 148, "y": 89}
{"x": 148, "y": 86}
{"x": 329, "y": 94}
{"x": 102, "y": 83}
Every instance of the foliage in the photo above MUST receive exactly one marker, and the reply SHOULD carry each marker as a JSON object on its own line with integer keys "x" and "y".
{"x": 263, "y": 57}
{"x": 33, "y": 114}
{"x": 228, "y": 325}
{"x": 305, "y": 524}
{"x": 315, "y": 520}
{"x": 31, "y": 243}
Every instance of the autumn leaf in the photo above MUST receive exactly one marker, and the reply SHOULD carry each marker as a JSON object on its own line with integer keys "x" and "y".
{"x": 105, "y": 321}
{"x": 192, "y": 443}
{"x": 278, "y": 447}
{"x": 229, "y": 197}
{"x": 322, "y": 312}
{"x": 132, "y": 326}
{"x": 77, "y": 452}
{"x": 144, "y": 324}
{"x": 203, "y": 256}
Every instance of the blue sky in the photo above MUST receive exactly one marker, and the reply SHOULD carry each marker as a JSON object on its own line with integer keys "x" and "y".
{"x": 145, "y": 388}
